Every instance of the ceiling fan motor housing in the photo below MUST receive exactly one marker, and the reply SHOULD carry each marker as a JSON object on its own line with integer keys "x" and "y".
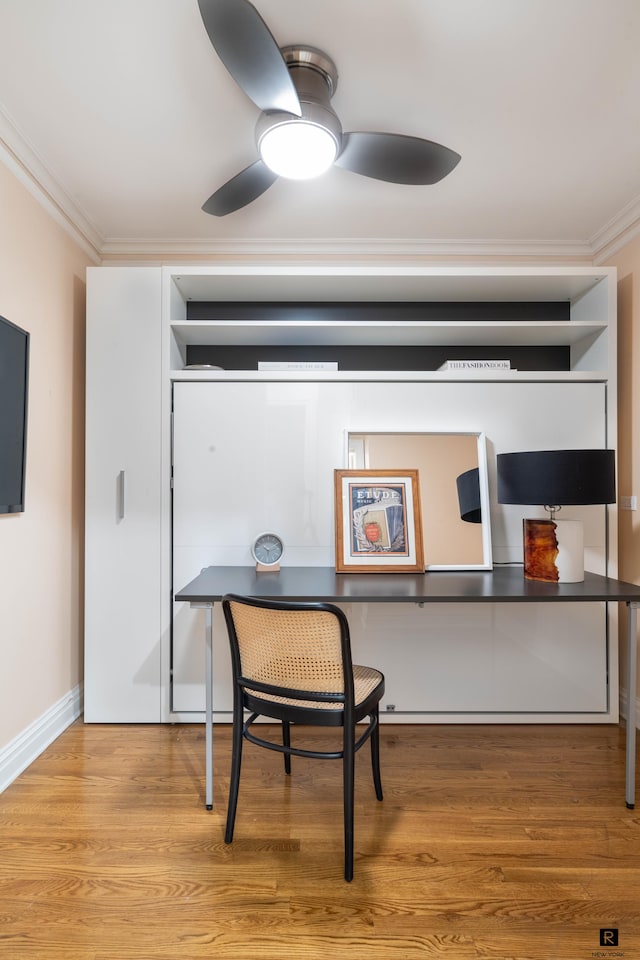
{"x": 311, "y": 60}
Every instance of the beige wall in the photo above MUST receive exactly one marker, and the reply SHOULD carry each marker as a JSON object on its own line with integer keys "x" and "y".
{"x": 41, "y": 551}
{"x": 627, "y": 261}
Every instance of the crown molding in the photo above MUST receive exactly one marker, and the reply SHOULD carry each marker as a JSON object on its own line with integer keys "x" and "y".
{"x": 615, "y": 234}
{"x": 25, "y": 164}
{"x": 170, "y": 251}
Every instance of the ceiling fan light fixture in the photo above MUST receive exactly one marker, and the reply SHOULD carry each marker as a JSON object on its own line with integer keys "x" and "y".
{"x": 299, "y": 148}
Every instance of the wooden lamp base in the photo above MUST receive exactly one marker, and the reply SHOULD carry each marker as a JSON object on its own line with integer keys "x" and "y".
{"x": 553, "y": 550}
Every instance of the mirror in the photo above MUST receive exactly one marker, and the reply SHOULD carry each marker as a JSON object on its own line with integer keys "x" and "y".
{"x": 454, "y": 490}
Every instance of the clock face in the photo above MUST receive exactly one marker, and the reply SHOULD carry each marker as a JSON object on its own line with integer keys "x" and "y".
{"x": 267, "y": 549}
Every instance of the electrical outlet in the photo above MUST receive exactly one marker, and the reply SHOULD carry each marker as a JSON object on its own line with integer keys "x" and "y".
{"x": 629, "y": 503}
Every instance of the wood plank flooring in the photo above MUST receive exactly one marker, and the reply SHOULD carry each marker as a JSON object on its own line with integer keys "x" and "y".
{"x": 492, "y": 843}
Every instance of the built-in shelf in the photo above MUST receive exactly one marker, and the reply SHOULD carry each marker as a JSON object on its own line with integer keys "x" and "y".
{"x": 380, "y": 282}
{"x": 544, "y": 346}
{"x": 417, "y": 376}
{"x": 552, "y": 320}
{"x": 229, "y": 332}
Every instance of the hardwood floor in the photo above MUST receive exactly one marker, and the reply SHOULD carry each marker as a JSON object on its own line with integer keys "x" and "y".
{"x": 492, "y": 843}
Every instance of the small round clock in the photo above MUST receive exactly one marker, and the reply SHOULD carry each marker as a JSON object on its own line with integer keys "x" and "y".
{"x": 267, "y": 549}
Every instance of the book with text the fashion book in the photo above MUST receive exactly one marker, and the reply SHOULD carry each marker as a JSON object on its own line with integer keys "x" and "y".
{"x": 477, "y": 365}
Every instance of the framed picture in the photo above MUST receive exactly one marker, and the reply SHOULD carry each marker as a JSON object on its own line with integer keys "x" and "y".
{"x": 378, "y": 521}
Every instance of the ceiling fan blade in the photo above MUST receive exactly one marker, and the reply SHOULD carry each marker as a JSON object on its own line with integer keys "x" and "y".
{"x": 246, "y": 186}
{"x": 396, "y": 158}
{"x": 248, "y": 50}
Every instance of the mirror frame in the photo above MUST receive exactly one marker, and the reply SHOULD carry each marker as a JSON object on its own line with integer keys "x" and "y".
{"x": 483, "y": 477}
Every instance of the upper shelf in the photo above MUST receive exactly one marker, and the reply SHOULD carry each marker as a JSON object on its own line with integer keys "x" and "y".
{"x": 380, "y": 282}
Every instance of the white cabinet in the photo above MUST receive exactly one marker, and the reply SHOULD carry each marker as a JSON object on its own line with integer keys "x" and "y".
{"x": 145, "y": 661}
{"x": 123, "y": 495}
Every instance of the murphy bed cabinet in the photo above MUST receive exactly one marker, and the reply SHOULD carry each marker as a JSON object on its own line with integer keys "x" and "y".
{"x": 157, "y": 412}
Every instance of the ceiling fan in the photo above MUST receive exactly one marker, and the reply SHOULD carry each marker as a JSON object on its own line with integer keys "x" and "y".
{"x": 298, "y": 134}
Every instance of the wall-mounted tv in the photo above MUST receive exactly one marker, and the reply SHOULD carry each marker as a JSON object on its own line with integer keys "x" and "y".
{"x": 14, "y": 390}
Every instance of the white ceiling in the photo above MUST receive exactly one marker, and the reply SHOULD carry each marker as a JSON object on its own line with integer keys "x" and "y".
{"x": 128, "y": 121}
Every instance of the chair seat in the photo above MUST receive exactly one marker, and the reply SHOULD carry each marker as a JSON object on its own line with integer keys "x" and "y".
{"x": 365, "y": 681}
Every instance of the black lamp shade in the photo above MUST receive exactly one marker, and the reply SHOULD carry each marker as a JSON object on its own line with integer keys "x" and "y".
{"x": 468, "y": 484}
{"x": 557, "y": 477}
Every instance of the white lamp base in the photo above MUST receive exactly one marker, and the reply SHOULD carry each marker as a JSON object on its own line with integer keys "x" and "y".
{"x": 554, "y": 550}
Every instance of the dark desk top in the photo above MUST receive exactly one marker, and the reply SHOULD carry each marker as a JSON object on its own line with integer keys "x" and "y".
{"x": 503, "y": 584}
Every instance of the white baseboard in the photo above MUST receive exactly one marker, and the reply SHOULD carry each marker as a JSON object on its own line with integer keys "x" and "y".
{"x": 23, "y": 749}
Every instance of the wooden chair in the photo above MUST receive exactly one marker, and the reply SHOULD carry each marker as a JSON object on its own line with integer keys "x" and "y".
{"x": 292, "y": 662}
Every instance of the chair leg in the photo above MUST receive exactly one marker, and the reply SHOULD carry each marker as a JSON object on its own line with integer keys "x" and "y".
{"x": 236, "y": 761}
{"x": 286, "y": 742}
{"x": 348, "y": 774}
{"x": 375, "y": 755}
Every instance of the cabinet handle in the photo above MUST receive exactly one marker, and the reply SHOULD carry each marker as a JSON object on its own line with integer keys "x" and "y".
{"x": 121, "y": 495}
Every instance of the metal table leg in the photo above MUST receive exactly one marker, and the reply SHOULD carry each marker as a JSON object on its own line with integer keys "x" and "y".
{"x": 632, "y": 666}
{"x": 208, "y": 718}
{"x": 208, "y": 706}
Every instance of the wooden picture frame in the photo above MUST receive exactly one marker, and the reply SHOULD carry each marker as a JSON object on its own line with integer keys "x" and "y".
{"x": 378, "y": 521}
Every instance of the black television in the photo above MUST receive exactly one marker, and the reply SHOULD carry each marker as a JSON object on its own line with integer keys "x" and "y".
{"x": 14, "y": 390}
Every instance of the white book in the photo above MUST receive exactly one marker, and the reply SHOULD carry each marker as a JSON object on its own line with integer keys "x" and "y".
{"x": 297, "y": 365}
{"x": 478, "y": 365}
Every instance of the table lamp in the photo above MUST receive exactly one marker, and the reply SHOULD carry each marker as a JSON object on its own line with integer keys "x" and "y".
{"x": 554, "y": 549}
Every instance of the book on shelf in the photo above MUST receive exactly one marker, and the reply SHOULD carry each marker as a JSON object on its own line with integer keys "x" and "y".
{"x": 476, "y": 365}
{"x": 297, "y": 365}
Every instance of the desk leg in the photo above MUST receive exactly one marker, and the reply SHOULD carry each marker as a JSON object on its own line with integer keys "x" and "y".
{"x": 208, "y": 710}
{"x": 632, "y": 666}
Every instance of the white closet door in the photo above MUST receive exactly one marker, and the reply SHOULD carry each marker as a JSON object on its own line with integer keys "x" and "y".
{"x": 123, "y": 486}
{"x": 250, "y": 457}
